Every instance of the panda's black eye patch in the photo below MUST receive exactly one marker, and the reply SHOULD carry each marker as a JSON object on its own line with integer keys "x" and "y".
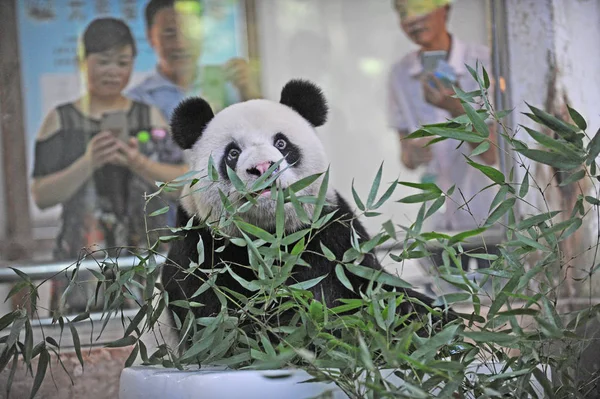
{"x": 230, "y": 158}
{"x": 289, "y": 150}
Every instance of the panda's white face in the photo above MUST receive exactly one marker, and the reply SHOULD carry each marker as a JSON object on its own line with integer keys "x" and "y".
{"x": 249, "y": 137}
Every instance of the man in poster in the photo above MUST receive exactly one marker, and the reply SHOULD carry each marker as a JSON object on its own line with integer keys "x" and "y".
{"x": 174, "y": 29}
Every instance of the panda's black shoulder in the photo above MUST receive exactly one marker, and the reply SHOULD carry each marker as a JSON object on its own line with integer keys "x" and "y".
{"x": 337, "y": 234}
{"x": 183, "y": 249}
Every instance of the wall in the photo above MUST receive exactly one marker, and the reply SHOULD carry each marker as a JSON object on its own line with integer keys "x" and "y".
{"x": 553, "y": 35}
{"x": 557, "y": 37}
{"x": 347, "y": 47}
{"x": 2, "y": 198}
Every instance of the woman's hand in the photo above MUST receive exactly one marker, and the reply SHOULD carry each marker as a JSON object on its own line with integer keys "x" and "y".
{"x": 129, "y": 155}
{"x": 102, "y": 150}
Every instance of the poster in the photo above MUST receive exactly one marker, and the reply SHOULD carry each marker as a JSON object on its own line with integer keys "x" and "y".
{"x": 49, "y": 31}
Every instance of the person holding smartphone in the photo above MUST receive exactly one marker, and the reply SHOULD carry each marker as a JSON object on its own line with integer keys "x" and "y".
{"x": 420, "y": 92}
{"x": 174, "y": 30}
{"x": 97, "y": 155}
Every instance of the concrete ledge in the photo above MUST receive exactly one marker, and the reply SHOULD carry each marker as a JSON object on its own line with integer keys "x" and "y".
{"x": 159, "y": 383}
{"x": 141, "y": 382}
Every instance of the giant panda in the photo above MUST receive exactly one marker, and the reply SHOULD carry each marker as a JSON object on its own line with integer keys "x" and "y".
{"x": 249, "y": 137}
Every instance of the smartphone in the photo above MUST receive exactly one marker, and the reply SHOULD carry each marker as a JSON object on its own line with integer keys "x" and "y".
{"x": 213, "y": 85}
{"x": 116, "y": 122}
{"x": 435, "y": 62}
{"x": 430, "y": 59}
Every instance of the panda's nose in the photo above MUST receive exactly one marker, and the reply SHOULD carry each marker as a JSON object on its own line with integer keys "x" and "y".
{"x": 260, "y": 169}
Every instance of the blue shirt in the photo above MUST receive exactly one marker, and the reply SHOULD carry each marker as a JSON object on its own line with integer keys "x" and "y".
{"x": 159, "y": 91}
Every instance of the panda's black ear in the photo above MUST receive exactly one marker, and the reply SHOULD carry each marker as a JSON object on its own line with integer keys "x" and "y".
{"x": 307, "y": 99}
{"x": 188, "y": 121}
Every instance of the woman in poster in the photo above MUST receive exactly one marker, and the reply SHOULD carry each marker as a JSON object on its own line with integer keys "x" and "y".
{"x": 99, "y": 154}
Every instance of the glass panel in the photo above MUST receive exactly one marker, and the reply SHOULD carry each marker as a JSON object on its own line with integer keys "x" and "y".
{"x": 99, "y": 90}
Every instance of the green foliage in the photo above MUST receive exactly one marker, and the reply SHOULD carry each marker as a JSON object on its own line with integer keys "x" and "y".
{"x": 354, "y": 342}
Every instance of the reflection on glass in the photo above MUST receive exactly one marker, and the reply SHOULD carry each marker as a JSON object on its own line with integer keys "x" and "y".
{"x": 100, "y": 115}
{"x": 97, "y": 155}
{"x": 420, "y": 92}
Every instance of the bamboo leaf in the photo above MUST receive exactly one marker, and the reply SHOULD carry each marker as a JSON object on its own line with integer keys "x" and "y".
{"x": 11, "y": 375}
{"x": 500, "y": 211}
{"x": 499, "y": 197}
{"x": 321, "y": 197}
{"x": 592, "y": 200}
{"x": 292, "y": 238}
{"x": 249, "y": 285}
{"x": 213, "y": 174}
{"x": 422, "y": 186}
{"x": 136, "y": 320}
{"x": 127, "y": 341}
{"x": 495, "y": 175}
{"x": 267, "y": 178}
{"x": 388, "y": 227}
{"x": 486, "y": 78}
{"x": 594, "y": 147}
{"x": 28, "y": 342}
{"x": 357, "y": 200}
{"x": 451, "y": 298}
{"x": 388, "y": 193}
{"x": 524, "y": 185}
{"x": 416, "y": 198}
{"x": 466, "y": 234}
{"x": 573, "y": 178}
{"x": 21, "y": 274}
{"x": 437, "y": 204}
{"x": 305, "y": 285}
{"x": 159, "y": 211}
{"x": 565, "y": 130}
{"x": 132, "y": 356}
{"x": 374, "y": 187}
{"x": 80, "y": 317}
{"x": 41, "y": 372}
{"x": 299, "y": 209}
{"x": 16, "y": 288}
{"x": 279, "y": 215}
{"x": 235, "y": 180}
{"x": 15, "y": 331}
{"x": 528, "y": 241}
{"x": 327, "y": 252}
{"x": 377, "y": 275}
{"x": 76, "y": 343}
{"x": 7, "y": 319}
{"x": 456, "y": 134}
{"x": 577, "y": 118}
{"x": 341, "y": 275}
{"x": 303, "y": 183}
{"x": 255, "y": 231}
{"x": 550, "y": 158}
{"x": 298, "y": 248}
{"x": 536, "y": 220}
{"x": 562, "y": 148}
{"x": 477, "y": 120}
{"x": 481, "y": 148}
